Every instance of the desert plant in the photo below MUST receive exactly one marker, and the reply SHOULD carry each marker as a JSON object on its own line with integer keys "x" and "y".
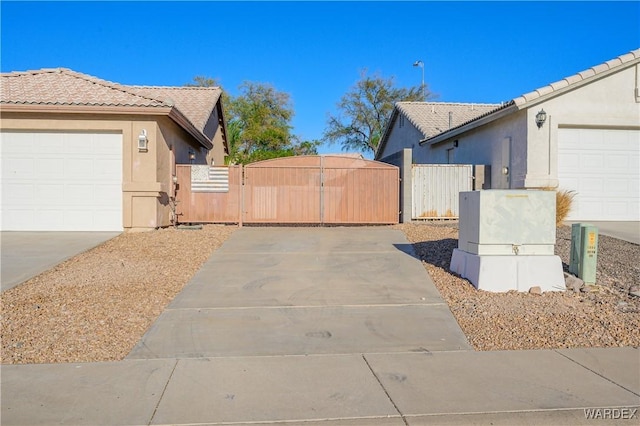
{"x": 564, "y": 202}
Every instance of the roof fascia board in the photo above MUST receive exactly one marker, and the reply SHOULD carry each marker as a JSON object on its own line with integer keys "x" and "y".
{"x": 387, "y": 130}
{"x": 442, "y": 137}
{"x": 522, "y": 100}
{"x": 85, "y": 109}
{"x": 183, "y": 122}
{"x": 172, "y": 112}
{"x": 223, "y": 124}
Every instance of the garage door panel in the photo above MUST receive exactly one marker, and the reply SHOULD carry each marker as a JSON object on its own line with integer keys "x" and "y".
{"x": 570, "y": 162}
{"x": 602, "y": 166}
{"x": 79, "y": 144}
{"x": 50, "y": 143}
{"x": 104, "y": 195}
{"x": 102, "y": 146}
{"x": 61, "y": 181}
{"x": 20, "y": 168}
{"x": 18, "y": 193}
{"x": 103, "y": 169}
{"x": 619, "y": 186}
{"x": 20, "y": 143}
{"x": 79, "y": 168}
{"x": 22, "y": 218}
{"x": 49, "y": 219}
{"x": 49, "y": 194}
{"x": 78, "y": 195}
{"x": 52, "y": 168}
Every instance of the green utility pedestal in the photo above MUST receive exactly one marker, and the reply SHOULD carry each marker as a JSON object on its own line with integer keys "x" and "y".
{"x": 584, "y": 252}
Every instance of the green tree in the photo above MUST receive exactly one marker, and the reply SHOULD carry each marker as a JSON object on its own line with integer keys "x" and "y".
{"x": 261, "y": 116}
{"x": 365, "y": 110}
{"x": 202, "y": 81}
{"x": 258, "y": 123}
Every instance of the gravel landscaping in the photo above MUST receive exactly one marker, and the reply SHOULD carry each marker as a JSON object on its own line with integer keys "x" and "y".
{"x": 97, "y": 305}
{"x": 605, "y": 315}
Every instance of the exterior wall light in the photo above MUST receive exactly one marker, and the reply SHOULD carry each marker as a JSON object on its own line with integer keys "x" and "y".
{"x": 143, "y": 141}
{"x": 541, "y": 117}
{"x": 192, "y": 156}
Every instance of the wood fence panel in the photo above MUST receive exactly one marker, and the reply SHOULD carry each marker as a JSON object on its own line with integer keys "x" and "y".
{"x": 360, "y": 192}
{"x": 208, "y": 207}
{"x": 304, "y": 190}
{"x": 283, "y": 190}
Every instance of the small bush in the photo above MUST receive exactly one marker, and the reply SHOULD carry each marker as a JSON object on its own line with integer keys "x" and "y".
{"x": 564, "y": 202}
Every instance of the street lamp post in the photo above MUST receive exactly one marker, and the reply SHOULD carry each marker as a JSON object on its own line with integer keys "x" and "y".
{"x": 420, "y": 64}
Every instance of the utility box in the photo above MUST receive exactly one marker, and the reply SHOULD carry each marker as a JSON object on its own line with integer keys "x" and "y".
{"x": 506, "y": 240}
{"x": 583, "y": 258}
{"x": 507, "y": 222}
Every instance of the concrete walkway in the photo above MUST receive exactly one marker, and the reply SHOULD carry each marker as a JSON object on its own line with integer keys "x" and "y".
{"x": 27, "y": 254}
{"x": 321, "y": 326}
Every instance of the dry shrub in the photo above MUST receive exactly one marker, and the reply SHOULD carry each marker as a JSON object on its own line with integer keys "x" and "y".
{"x": 564, "y": 202}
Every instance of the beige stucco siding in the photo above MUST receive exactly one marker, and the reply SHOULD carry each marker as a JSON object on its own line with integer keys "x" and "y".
{"x": 606, "y": 103}
{"x": 501, "y": 143}
{"x": 146, "y": 176}
{"x": 403, "y": 134}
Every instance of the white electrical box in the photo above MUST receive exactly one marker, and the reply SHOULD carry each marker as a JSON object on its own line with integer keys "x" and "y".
{"x": 507, "y": 222}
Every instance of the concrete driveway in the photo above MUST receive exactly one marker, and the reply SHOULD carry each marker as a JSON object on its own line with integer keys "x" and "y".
{"x": 322, "y": 327}
{"x": 27, "y": 254}
{"x": 299, "y": 291}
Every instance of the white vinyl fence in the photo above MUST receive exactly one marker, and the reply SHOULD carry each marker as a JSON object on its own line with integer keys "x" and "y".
{"x": 435, "y": 189}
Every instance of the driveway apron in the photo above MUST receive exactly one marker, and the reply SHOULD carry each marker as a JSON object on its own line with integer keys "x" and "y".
{"x": 306, "y": 291}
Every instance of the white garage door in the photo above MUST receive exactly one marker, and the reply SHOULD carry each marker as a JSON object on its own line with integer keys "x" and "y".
{"x": 601, "y": 165}
{"x": 61, "y": 181}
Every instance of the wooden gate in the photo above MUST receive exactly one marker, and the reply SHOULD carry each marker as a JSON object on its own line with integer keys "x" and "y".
{"x": 301, "y": 190}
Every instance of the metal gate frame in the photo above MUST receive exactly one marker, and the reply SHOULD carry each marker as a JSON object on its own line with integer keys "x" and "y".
{"x": 294, "y": 190}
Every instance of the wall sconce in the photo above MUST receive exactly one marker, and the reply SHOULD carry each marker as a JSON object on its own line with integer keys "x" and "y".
{"x": 541, "y": 117}
{"x": 192, "y": 156}
{"x": 505, "y": 170}
{"x": 143, "y": 142}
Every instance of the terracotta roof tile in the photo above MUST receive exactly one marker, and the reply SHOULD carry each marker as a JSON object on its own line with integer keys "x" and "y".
{"x": 64, "y": 87}
{"x": 195, "y": 103}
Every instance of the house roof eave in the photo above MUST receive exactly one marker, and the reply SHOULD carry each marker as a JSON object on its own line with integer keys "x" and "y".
{"x": 385, "y": 134}
{"x": 171, "y": 112}
{"x": 510, "y": 108}
{"x": 83, "y": 109}
{"x": 183, "y": 122}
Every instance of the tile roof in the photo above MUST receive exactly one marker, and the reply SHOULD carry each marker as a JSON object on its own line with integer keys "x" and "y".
{"x": 64, "y": 87}
{"x": 196, "y": 103}
{"x": 593, "y": 72}
{"x": 432, "y": 118}
{"x": 555, "y": 89}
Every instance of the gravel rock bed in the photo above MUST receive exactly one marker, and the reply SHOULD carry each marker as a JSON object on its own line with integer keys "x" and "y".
{"x": 606, "y": 315}
{"x": 97, "y": 305}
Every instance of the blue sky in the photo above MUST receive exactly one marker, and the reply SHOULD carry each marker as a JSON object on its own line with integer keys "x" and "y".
{"x": 472, "y": 51}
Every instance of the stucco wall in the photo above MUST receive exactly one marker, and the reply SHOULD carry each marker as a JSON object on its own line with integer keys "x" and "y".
{"x": 531, "y": 153}
{"x": 501, "y": 143}
{"x": 146, "y": 176}
{"x": 402, "y": 135}
{"x": 213, "y": 130}
{"x": 609, "y": 102}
